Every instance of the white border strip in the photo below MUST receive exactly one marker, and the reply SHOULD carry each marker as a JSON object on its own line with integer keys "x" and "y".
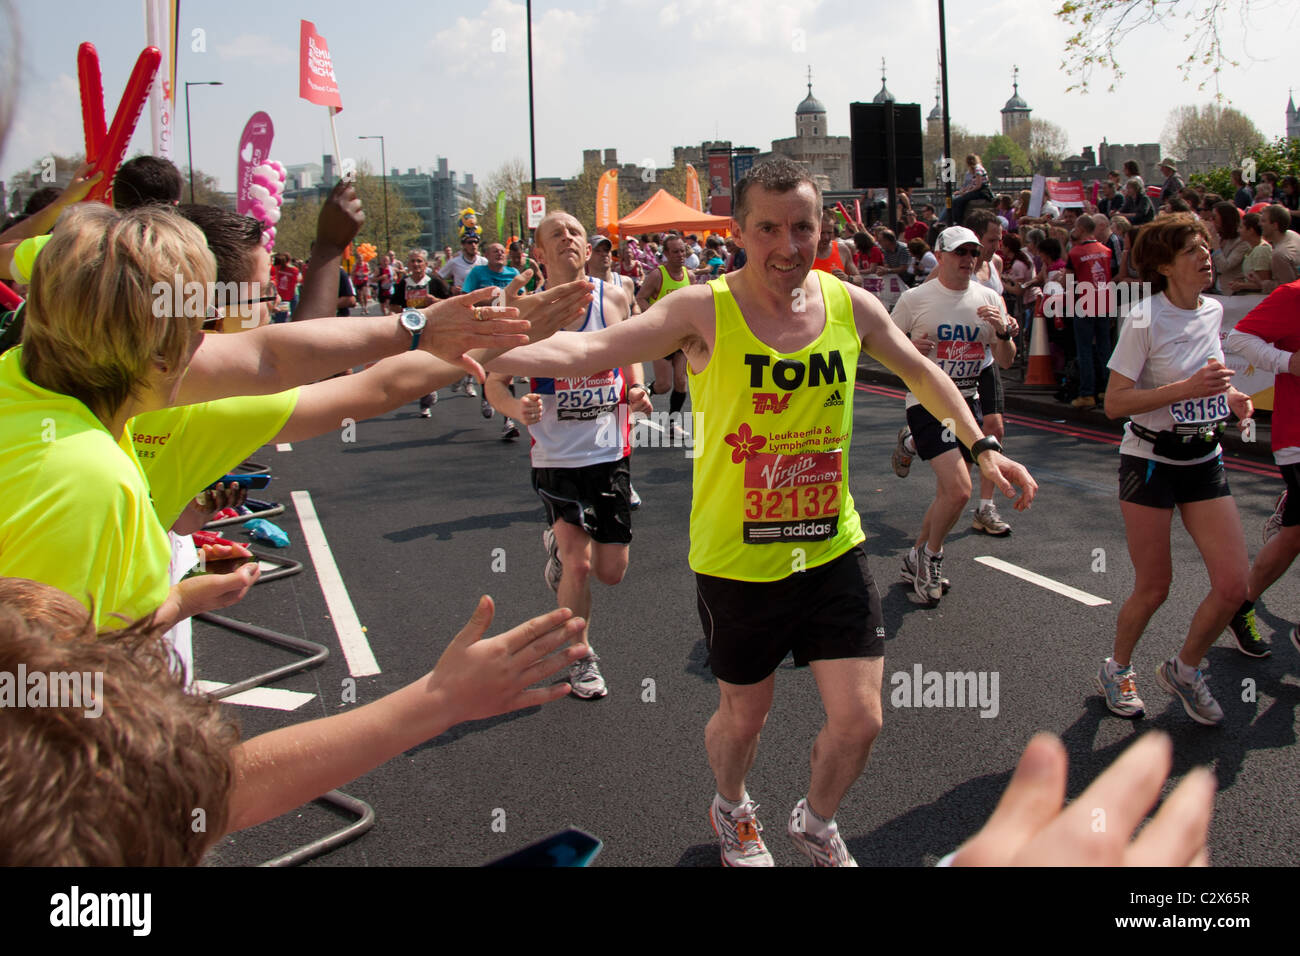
{"x": 1074, "y": 594}
{"x": 274, "y": 698}
{"x": 284, "y": 446}
{"x": 356, "y": 649}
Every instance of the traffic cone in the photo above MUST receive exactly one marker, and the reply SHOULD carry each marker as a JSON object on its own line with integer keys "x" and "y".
{"x": 1039, "y": 370}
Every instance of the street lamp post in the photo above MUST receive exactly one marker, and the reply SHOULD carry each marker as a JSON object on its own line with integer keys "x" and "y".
{"x": 383, "y": 158}
{"x": 189, "y": 139}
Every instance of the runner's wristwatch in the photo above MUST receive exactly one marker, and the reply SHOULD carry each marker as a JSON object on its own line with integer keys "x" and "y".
{"x": 987, "y": 443}
{"x": 413, "y": 321}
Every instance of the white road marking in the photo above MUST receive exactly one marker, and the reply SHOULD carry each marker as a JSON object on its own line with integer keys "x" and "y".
{"x": 284, "y": 446}
{"x": 356, "y": 649}
{"x": 275, "y": 698}
{"x": 1074, "y": 594}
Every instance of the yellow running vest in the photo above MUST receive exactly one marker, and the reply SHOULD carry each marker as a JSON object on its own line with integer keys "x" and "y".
{"x": 669, "y": 284}
{"x": 772, "y": 431}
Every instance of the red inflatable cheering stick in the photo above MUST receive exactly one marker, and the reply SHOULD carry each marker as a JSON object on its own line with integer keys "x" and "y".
{"x": 106, "y": 149}
{"x": 92, "y": 100}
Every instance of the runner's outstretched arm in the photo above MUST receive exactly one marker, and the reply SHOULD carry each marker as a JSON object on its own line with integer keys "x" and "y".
{"x": 664, "y": 328}
{"x": 475, "y": 678}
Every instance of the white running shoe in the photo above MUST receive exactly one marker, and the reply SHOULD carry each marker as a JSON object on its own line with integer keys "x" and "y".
{"x": 828, "y": 852}
{"x": 585, "y": 678}
{"x": 1193, "y": 695}
{"x": 553, "y": 570}
{"x": 740, "y": 834}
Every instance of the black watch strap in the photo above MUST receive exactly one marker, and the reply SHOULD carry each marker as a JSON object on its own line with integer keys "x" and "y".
{"x": 987, "y": 443}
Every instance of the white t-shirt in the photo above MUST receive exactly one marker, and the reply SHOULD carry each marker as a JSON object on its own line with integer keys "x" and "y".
{"x": 1173, "y": 346}
{"x": 952, "y": 322}
{"x": 458, "y": 268}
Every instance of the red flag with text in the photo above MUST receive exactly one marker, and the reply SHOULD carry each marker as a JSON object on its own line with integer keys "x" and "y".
{"x": 316, "y": 82}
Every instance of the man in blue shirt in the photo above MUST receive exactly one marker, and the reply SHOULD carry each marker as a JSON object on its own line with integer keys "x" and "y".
{"x": 496, "y": 272}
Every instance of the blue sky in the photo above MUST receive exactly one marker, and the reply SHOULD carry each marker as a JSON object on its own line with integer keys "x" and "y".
{"x": 449, "y": 78}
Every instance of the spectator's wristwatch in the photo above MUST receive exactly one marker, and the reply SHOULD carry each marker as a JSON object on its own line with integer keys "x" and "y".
{"x": 413, "y": 321}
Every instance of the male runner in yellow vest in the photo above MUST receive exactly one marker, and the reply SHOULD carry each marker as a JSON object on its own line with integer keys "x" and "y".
{"x": 775, "y": 539}
{"x": 668, "y": 278}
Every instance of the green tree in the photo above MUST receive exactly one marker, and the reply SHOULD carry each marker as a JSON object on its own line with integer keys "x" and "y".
{"x": 1045, "y": 144}
{"x": 1281, "y": 156}
{"x": 1210, "y": 127}
{"x": 1003, "y": 146}
{"x": 206, "y": 192}
{"x": 296, "y": 230}
{"x": 1100, "y": 26}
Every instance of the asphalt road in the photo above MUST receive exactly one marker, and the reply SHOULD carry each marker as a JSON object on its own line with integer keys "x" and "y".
{"x": 421, "y": 514}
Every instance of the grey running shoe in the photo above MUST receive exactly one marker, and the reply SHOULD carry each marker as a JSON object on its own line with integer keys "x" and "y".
{"x": 553, "y": 570}
{"x": 828, "y": 852}
{"x": 1120, "y": 690}
{"x": 900, "y": 459}
{"x": 486, "y": 408}
{"x": 1193, "y": 695}
{"x": 1274, "y": 523}
{"x": 989, "y": 521}
{"x": 909, "y": 571}
{"x": 426, "y": 413}
{"x": 511, "y": 431}
{"x": 741, "y": 835}
{"x": 585, "y": 679}
{"x": 929, "y": 577}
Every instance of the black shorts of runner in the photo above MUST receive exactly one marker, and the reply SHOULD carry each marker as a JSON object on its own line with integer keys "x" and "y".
{"x": 669, "y": 358}
{"x": 596, "y": 498}
{"x": 384, "y": 297}
{"x": 1291, "y": 513}
{"x": 932, "y": 438}
{"x": 991, "y": 398}
{"x": 828, "y": 612}
{"x": 1157, "y": 484}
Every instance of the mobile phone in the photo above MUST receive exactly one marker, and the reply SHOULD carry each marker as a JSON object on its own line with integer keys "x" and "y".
{"x": 569, "y": 847}
{"x": 250, "y": 480}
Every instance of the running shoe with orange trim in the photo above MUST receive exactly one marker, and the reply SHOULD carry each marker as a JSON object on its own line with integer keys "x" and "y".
{"x": 740, "y": 834}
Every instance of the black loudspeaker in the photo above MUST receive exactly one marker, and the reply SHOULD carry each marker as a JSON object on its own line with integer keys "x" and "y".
{"x": 868, "y": 133}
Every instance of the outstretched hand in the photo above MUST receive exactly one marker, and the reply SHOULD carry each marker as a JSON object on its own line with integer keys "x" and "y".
{"x": 1009, "y": 475}
{"x": 479, "y": 677}
{"x": 1030, "y": 828}
{"x": 466, "y": 322}
{"x": 554, "y": 308}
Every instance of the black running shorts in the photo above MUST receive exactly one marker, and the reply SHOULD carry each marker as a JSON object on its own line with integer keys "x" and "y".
{"x": 1157, "y": 484}
{"x": 932, "y": 438}
{"x": 992, "y": 401}
{"x": 596, "y": 498}
{"x": 1291, "y": 513}
{"x": 828, "y": 612}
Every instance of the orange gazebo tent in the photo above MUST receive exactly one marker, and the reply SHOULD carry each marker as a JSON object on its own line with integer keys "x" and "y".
{"x": 664, "y": 211}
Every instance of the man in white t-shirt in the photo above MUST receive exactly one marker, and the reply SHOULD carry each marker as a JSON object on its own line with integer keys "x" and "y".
{"x": 950, "y": 320}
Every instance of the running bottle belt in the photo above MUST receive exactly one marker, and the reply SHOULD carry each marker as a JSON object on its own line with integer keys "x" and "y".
{"x": 1183, "y": 442}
